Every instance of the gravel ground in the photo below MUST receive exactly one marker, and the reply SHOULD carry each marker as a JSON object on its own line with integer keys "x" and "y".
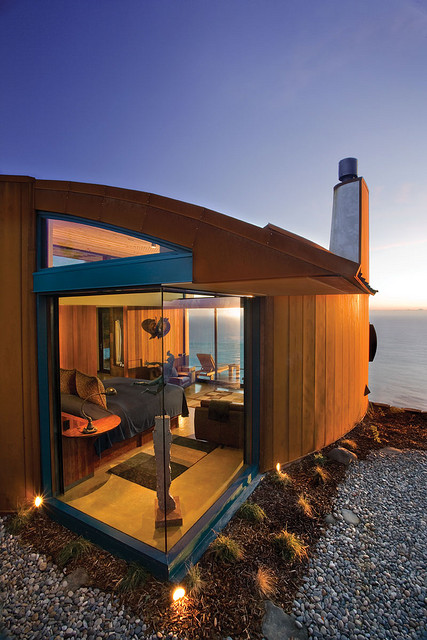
{"x": 368, "y": 580}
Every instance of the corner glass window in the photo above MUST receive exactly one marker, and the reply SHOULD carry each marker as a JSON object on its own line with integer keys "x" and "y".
{"x": 70, "y": 243}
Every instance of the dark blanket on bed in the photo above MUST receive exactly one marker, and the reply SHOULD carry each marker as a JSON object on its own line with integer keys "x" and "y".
{"x": 137, "y": 408}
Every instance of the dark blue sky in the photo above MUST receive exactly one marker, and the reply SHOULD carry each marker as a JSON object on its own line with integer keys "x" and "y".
{"x": 243, "y": 106}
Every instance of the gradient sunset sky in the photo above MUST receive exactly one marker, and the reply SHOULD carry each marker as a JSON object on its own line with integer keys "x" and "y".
{"x": 242, "y": 106}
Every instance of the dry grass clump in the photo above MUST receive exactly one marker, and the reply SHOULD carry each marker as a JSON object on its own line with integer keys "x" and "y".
{"x": 19, "y": 520}
{"x": 251, "y": 512}
{"x": 321, "y": 476}
{"x": 397, "y": 410}
{"x": 348, "y": 444}
{"x": 265, "y": 581}
{"x": 289, "y": 546}
{"x": 280, "y": 477}
{"x": 134, "y": 578}
{"x": 73, "y": 549}
{"x": 375, "y": 433}
{"x": 304, "y": 505}
{"x": 194, "y": 581}
{"x": 225, "y": 549}
{"x": 320, "y": 459}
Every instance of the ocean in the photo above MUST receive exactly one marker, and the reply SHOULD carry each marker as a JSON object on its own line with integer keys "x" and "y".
{"x": 398, "y": 374}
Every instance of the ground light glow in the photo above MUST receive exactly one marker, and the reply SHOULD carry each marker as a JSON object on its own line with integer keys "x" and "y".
{"x": 38, "y": 501}
{"x": 178, "y": 594}
{"x": 278, "y": 467}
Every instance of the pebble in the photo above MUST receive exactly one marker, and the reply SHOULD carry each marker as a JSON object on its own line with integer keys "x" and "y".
{"x": 372, "y": 568}
{"x": 365, "y": 581}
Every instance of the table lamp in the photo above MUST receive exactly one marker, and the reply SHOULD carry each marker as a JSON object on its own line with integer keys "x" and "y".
{"x": 89, "y": 428}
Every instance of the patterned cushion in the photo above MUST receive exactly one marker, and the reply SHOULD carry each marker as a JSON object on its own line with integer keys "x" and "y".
{"x": 89, "y": 385}
{"x": 67, "y": 381}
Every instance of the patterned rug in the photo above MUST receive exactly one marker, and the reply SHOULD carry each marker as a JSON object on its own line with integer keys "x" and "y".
{"x": 141, "y": 468}
{"x": 229, "y": 396}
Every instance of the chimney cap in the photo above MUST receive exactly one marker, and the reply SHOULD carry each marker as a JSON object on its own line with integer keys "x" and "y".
{"x": 347, "y": 169}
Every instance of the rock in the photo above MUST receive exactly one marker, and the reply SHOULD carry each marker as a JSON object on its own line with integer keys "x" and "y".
{"x": 42, "y": 565}
{"x": 341, "y": 455}
{"x": 277, "y": 625}
{"x": 329, "y": 519}
{"x": 77, "y": 578}
{"x": 390, "y": 451}
{"x": 349, "y": 516}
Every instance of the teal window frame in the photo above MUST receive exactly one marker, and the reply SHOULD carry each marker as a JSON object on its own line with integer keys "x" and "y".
{"x": 125, "y": 273}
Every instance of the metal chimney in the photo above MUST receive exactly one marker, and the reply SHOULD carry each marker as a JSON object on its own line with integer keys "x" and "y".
{"x": 347, "y": 169}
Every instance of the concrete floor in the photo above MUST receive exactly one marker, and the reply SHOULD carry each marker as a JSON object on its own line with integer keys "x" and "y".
{"x": 130, "y": 508}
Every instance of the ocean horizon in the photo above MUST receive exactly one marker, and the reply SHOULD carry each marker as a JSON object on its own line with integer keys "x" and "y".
{"x": 398, "y": 374}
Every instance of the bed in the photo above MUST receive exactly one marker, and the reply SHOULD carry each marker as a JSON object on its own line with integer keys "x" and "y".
{"x": 135, "y": 404}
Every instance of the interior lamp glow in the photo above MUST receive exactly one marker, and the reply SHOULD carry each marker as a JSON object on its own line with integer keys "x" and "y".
{"x": 178, "y": 594}
{"x": 38, "y": 501}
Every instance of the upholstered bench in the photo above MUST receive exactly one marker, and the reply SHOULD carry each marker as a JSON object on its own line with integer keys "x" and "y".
{"x": 228, "y": 431}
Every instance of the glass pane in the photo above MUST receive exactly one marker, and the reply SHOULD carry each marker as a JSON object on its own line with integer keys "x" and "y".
{"x": 74, "y": 243}
{"x": 172, "y": 365}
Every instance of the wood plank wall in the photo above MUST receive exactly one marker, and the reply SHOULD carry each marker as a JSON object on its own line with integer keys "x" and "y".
{"x": 78, "y": 338}
{"x": 315, "y": 377}
{"x": 141, "y": 348}
{"x": 19, "y": 426}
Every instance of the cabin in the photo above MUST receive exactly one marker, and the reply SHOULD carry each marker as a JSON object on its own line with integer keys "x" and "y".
{"x": 158, "y": 357}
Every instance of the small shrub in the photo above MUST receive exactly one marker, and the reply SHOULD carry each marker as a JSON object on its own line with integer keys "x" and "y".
{"x": 195, "y": 583}
{"x": 289, "y": 546}
{"x": 375, "y": 433}
{"x": 265, "y": 581}
{"x": 252, "y": 512}
{"x": 225, "y": 549}
{"x": 73, "y": 549}
{"x": 305, "y": 506}
{"x": 320, "y": 459}
{"x": 134, "y": 578}
{"x": 280, "y": 477}
{"x": 348, "y": 444}
{"x": 321, "y": 476}
{"x": 19, "y": 520}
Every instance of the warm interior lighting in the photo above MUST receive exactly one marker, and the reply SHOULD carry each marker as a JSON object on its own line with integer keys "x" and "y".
{"x": 178, "y": 593}
{"x": 38, "y": 501}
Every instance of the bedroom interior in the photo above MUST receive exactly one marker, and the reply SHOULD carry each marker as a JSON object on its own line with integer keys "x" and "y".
{"x": 124, "y": 341}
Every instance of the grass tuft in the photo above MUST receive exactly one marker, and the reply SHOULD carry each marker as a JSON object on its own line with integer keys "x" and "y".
{"x": 397, "y": 410}
{"x": 320, "y": 459}
{"x": 289, "y": 546}
{"x": 225, "y": 549}
{"x": 19, "y": 520}
{"x": 305, "y": 506}
{"x": 134, "y": 578}
{"x": 280, "y": 477}
{"x": 321, "y": 476}
{"x": 265, "y": 581}
{"x": 348, "y": 444}
{"x": 251, "y": 512}
{"x": 195, "y": 583}
{"x": 375, "y": 433}
{"x": 72, "y": 550}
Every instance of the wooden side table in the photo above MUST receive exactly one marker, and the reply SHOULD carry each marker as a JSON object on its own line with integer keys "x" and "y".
{"x": 78, "y": 454}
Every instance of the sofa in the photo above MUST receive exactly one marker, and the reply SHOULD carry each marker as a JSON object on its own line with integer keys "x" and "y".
{"x": 220, "y": 422}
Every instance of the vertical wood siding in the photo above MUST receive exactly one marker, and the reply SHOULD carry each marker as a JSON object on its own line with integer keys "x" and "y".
{"x": 316, "y": 375}
{"x": 78, "y": 338}
{"x": 20, "y": 448}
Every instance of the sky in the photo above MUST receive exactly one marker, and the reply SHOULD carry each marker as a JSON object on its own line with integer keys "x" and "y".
{"x": 241, "y": 106}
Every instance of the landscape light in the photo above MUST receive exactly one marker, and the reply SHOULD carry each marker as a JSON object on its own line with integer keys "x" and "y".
{"x": 38, "y": 501}
{"x": 278, "y": 467}
{"x": 178, "y": 594}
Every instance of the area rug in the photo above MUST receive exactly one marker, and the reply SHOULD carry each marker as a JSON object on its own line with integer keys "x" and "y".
{"x": 141, "y": 468}
{"x": 230, "y": 396}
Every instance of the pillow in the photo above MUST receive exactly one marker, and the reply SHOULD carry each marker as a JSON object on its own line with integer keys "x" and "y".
{"x": 90, "y": 386}
{"x": 67, "y": 381}
{"x": 73, "y": 405}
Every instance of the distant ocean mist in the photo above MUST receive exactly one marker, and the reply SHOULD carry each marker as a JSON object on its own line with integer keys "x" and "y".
{"x": 398, "y": 375}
